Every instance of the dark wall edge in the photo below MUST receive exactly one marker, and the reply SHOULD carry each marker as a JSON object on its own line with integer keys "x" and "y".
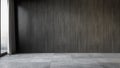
{"x": 12, "y": 40}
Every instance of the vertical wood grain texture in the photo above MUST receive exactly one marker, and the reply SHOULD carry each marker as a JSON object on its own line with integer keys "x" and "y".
{"x": 69, "y": 26}
{"x": 12, "y": 40}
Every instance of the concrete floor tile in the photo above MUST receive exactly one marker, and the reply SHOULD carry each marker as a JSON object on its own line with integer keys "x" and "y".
{"x": 61, "y": 60}
{"x": 24, "y": 65}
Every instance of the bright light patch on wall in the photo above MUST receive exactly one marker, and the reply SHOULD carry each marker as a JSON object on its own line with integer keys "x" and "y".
{"x": 4, "y": 25}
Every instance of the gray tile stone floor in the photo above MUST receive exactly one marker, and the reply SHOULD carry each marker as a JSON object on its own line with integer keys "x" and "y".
{"x": 61, "y": 60}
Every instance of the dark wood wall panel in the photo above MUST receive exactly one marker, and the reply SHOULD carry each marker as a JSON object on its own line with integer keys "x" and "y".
{"x": 68, "y": 26}
{"x": 12, "y": 25}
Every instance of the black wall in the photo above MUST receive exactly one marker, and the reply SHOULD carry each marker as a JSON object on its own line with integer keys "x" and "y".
{"x": 12, "y": 27}
{"x": 68, "y": 26}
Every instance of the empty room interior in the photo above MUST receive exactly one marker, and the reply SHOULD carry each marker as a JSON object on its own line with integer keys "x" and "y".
{"x": 60, "y": 34}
